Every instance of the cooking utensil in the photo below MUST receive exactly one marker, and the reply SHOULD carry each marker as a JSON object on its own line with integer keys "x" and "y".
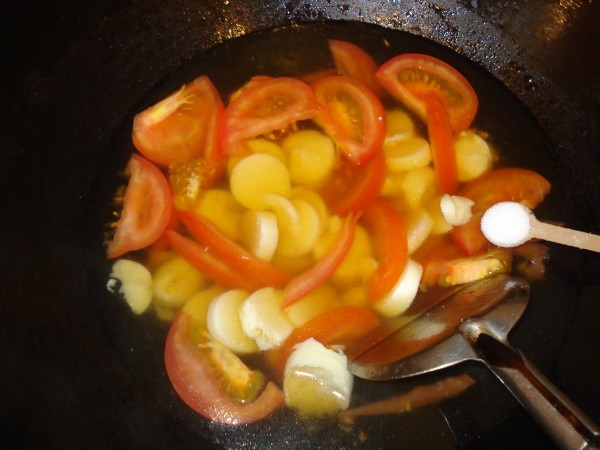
{"x": 509, "y": 224}
{"x": 493, "y": 306}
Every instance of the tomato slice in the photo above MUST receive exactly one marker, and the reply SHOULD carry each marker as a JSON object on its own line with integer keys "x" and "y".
{"x": 352, "y": 188}
{"x": 388, "y": 232}
{"x": 442, "y": 144}
{"x": 352, "y": 116}
{"x": 191, "y": 369}
{"x": 353, "y": 61}
{"x": 183, "y": 126}
{"x": 207, "y": 263}
{"x": 265, "y": 105}
{"x": 147, "y": 208}
{"x": 408, "y": 76}
{"x": 339, "y": 326}
{"x": 232, "y": 255}
{"x": 311, "y": 77}
{"x": 445, "y": 264}
{"x": 314, "y": 277}
{"x": 500, "y": 185}
{"x": 162, "y": 243}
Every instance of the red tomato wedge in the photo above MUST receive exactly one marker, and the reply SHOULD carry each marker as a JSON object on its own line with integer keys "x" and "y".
{"x": 442, "y": 144}
{"x": 388, "y": 233}
{"x": 147, "y": 208}
{"x": 500, "y": 185}
{"x": 311, "y": 77}
{"x": 162, "y": 244}
{"x": 314, "y": 277}
{"x": 193, "y": 376}
{"x": 339, "y": 326}
{"x": 408, "y": 76}
{"x": 254, "y": 81}
{"x": 435, "y": 257}
{"x": 183, "y": 126}
{"x": 445, "y": 264}
{"x": 352, "y": 189}
{"x": 265, "y": 105}
{"x": 353, "y": 61}
{"x": 351, "y": 115}
{"x": 207, "y": 263}
{"x": 231, "y": 254}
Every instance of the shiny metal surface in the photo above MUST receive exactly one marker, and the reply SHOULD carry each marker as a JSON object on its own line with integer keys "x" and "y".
{"x": 484, "y": 339}
{"x": 508, "y": 296}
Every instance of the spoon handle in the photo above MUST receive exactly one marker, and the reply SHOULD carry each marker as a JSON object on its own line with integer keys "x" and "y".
{"x": 566, "y": 236}
{"x": 568, "y": 426}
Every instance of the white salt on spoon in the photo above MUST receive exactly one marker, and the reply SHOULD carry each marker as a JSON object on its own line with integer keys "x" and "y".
{"x": 508, "y": 224}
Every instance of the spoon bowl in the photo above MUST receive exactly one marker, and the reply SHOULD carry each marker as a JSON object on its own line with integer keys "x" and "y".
{"x": 509, "y": 224}
{"x": 435, "y": 340}
{"x": 425, "y": 345}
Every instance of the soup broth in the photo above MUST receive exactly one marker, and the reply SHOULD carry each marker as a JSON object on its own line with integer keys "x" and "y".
{"x": 304, "y": 202}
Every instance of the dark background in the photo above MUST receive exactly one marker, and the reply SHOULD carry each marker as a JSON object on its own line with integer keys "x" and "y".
{"x": 73, "y": 72}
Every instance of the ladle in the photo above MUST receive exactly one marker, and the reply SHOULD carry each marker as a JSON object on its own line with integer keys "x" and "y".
{"x": 509, "y": 224}
{"x": 440, "y": 338}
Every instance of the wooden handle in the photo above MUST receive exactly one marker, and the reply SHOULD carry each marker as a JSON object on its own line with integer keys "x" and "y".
{"x": 566, "y": 236}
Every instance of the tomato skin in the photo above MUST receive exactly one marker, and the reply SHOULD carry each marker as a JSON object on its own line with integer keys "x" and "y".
{"x": 339, "y": 326}
{"x": 192, "y": 377}
{"x": 311, "y": 77}
{"x": 353, "y": 189}
{"x": 500, "y": 185}
{"x": 445, "y": 264}
{"x": 184, "y": 125}
{"x": 434, "y": 255}
{"x": 147, "y": 208}
{"x": 266, "y": 104}
{"x": 442, "y": 144}
{"x": 341, "y": 98}
{"x": 388, "y": 232}
{"x": 312, "y": 278}
{"x": 406, "y": 77}
{"x": 353, "y": 61}
{"x": 251, "y": 268}
{"x": 207, "y": 263}
{"x": 162, "y": 243}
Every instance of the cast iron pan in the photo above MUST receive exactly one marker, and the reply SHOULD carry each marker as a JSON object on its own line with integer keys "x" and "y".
{"x": 79, "y": 371}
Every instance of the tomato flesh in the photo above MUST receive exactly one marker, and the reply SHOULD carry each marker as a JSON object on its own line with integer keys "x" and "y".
{"x": 207, "y": 263}
{"x": 340, "y": 326}
{"x": 191, "y": 372}
{"x": 442, "y": 146}
{"x": 263, "y": 106}
{"x": 258, "y": 272}
{"x": 147, "y": 208}
{"x": 446, "y": 265}
{"x": 353, "y": 61}
{"x": 353, "y": 189}
{"x": 408, "y": 76}
{"x": 389, "y": 236}
{"x": 500, "y": 185}
{"x": 183, "y": 126}
{"x": 352, "y": 115}
{"x": 309, "y": 280}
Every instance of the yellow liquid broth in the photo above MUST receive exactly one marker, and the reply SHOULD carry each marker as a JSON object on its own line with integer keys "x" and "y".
{"x": 344, "y": 289}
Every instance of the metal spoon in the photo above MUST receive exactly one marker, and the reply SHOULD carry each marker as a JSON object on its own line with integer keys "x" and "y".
{"x": 440, "y": 338}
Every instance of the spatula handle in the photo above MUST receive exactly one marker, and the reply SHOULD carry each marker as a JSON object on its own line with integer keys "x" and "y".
{"x": 569, "y": 427}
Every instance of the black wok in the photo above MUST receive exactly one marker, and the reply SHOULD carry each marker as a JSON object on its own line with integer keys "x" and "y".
{"x": 78, "y": 372}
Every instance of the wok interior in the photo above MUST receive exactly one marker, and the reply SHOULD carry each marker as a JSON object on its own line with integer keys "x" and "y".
{"x": 292, "y": 50}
